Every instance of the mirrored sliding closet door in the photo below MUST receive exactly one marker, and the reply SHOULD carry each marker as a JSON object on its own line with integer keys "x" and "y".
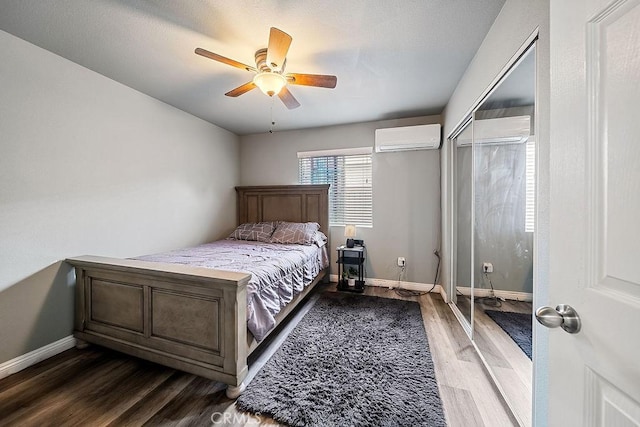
{"x": 494, "y": 225}
{"x": 462, "y": 232}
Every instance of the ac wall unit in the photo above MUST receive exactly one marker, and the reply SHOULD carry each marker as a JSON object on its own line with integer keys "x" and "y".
{"x": 421, "y": 137}
{"x": 504, "y": 130}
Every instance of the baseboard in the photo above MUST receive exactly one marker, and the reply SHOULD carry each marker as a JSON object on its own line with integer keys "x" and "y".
{"x": 510, "y": 295}
{"x": 396, "y": 284}
{"x": 21, "y": 362}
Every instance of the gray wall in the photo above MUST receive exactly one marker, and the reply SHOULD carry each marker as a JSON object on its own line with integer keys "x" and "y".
{"x": 89, "y": 166}
{"x": 516, "y": 21}
{"x": 406, "y": 191}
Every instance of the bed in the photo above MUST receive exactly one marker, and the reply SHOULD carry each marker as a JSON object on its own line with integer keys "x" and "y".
{"x": 191, "y": 318}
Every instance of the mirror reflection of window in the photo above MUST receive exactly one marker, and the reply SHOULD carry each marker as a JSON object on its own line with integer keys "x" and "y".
{"x": 530, "y": 209}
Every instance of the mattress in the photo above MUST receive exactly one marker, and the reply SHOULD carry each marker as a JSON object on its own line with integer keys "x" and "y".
{"x": 278, "y": 272}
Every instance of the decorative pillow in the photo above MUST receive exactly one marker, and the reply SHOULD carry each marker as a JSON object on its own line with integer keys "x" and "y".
{"x": 301, "y": 233}
{"x": 319, "y": 239}
{"x": 260, "y": 231}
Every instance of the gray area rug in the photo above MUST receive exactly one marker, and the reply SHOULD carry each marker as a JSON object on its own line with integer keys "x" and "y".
{"x": 516, "y": 325}
{"x": 353, "y": 360}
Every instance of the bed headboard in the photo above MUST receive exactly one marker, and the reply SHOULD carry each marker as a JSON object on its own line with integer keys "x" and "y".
{"x": 293, "y": 203}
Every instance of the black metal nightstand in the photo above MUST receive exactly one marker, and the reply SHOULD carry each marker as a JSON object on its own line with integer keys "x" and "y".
{"x": 351, "y": 266}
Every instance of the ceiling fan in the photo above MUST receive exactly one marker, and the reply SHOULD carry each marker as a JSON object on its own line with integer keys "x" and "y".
{"x": 270, "y": 77}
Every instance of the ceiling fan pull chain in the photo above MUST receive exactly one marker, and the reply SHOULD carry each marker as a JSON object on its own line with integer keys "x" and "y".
{"x": 272, "y": 121}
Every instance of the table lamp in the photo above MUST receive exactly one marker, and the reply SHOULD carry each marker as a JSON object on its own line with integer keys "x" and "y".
{"x": 349, "y": 233}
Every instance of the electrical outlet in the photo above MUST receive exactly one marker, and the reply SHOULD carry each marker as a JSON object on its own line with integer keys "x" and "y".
{"x": 487, "y": 267}
{"x": 401, "y": 261}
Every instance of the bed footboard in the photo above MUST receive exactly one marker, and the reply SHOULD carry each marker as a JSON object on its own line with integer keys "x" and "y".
{"x": 188, "y": 318}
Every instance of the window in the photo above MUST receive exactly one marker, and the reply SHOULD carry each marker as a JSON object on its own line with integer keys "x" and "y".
{"x": 349, "y": 173}
{"x": 530, "y": 185}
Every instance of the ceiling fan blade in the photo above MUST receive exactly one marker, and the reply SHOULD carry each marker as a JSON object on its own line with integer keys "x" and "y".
{"x": 319, "y": 80}
{"x": 241, "y": 89}
{"x": 288, "y": 99}
{"x": 224, "y": 60}
{"x": 279, "y": 43}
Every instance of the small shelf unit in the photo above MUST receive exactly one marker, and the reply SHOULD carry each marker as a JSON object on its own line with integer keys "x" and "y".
{"x": 351, "y": 263}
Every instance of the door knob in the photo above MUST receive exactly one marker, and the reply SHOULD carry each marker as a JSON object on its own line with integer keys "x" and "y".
{"x": 563, "y": 315}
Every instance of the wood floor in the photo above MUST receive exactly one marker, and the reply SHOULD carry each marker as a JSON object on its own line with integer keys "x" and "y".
{"x": 510, "y": 365}
{"x": 99, "y": 387}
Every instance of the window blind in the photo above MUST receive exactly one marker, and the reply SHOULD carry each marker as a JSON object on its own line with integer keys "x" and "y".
{"x": 351, "y": 191}
{"x": 530, "y": 186}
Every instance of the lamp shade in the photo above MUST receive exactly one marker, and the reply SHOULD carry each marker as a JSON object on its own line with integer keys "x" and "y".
{"x": 270, "y": 83}
{"x": 350, "y": 231}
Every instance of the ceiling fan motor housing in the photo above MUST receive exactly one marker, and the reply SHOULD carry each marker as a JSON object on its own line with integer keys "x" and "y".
{"x": 261, "y": 62}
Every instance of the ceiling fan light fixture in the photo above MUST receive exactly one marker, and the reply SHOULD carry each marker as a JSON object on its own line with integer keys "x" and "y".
{"x": 270, "y": 83}
{"x": 271, "y": 79}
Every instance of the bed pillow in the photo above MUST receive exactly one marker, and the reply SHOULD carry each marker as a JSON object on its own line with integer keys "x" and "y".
{"x": 300, "y": 233}
{"x": 320, "y": 239}
{"x": 260, "y": 231}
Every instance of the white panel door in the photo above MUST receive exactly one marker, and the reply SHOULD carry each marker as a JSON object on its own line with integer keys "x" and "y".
{"x": 594, "y": 376}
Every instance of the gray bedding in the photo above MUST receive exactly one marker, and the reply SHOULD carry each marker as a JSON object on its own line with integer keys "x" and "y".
{"x": 278, "y": 272}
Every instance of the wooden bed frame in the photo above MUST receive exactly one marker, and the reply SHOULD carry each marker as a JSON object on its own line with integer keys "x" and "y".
{"x": 189, "y": 318}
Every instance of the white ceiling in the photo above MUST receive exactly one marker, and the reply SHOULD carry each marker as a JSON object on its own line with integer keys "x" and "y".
{"x": 393, "y": 59}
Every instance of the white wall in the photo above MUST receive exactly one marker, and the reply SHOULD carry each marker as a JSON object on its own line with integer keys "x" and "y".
{"x": 89, "y": 166}
{"x": 406, "y": 193}
{"x": 516, "y": 21}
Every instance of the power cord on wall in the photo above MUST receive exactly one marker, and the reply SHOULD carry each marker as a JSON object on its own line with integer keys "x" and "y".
{"x": 492, "y": 299}
{"x": 411, "y": 293}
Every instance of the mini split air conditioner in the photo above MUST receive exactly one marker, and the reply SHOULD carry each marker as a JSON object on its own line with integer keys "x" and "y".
{"x": 422, "y": 137}
{"x": 505, "y": 130}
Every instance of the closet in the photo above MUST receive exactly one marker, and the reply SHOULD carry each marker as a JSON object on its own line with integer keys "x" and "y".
{"x": 492, "y": 218}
